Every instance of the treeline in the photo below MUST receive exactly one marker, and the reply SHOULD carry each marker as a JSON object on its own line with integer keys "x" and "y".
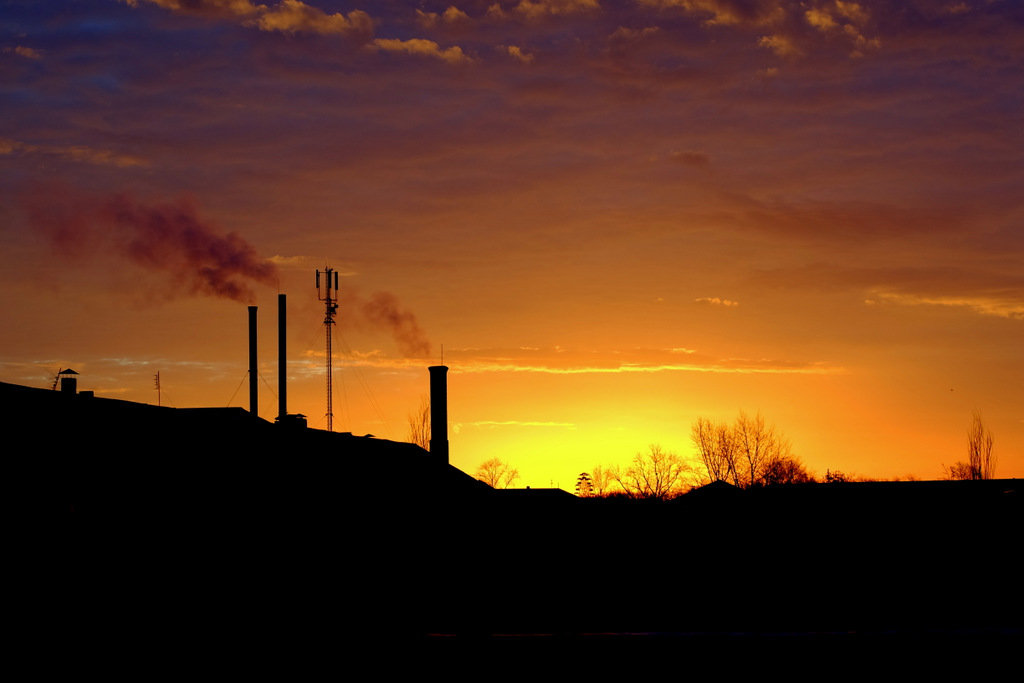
{"x": 745, "y": 453}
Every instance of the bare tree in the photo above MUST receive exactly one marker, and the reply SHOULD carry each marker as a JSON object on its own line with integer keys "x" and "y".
{"x": 717, "y": 449}
{"x": 979, "y": 449}
{"x": 746, "y": 453}
{"x": 759, "y": 448}
{"x": 419, "y": 425}
{"x": 656, "y": 474}
{"x": 958, "y": 470}
{"x": 601, "y": 480}
{"x": 497, "y": 474}
{"x": 981, "y": 461}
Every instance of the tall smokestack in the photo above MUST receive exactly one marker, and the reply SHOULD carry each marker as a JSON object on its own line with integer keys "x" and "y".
{"x": 253, "y": 402}
{"x": 282, "y": 358}
{"x": 439, "y": 413}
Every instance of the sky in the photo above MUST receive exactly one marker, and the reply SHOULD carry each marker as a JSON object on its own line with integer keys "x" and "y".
{"x": 615, "y": 217}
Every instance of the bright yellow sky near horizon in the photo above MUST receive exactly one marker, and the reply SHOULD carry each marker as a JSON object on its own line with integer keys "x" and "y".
{"x": 616, "y": 217}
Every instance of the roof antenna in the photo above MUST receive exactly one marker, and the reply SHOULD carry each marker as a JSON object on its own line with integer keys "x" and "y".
{"x": 442, "y": 354}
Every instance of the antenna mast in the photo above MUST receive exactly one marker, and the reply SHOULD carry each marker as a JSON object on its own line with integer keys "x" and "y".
{"x": 328, "y": 293}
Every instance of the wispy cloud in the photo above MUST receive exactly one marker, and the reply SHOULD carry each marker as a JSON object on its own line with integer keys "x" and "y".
{"x": 691, "y": 158}
{"x": 1008, "y": 307}
{"x": 717, "y": 301}
{"x": 78, "y": 153}
{"x": 589, "y": 364}
{"x": 739, "y": 368}
{"x": 487, "y": 424}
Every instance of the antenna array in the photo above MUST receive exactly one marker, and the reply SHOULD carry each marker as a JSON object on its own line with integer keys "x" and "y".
{"x": 328, "y": 293}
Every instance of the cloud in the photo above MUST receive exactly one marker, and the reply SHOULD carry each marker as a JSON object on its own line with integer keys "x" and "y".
{"x": 517, "y": 53}
{"x": 820, "y": 18}
{"x": 788, "y": 20}
{"x": 566, "y": 362}
{"x": 728, "y": 12}
{"x": 846, "y": 19}
{"x": 982, "y": 289}
{"x": 623, "y": 33}
{"x": 79, "y": 153}
{"x": 1002, "y": 307}
{"x": 451, "y": 16}
{"x": 287, "y": 16}
{"x": 23, "y": 51}
{"x": 781, "y": 45}
{"x": 842, "y": 220}
{"x": 716, "y": 301}
{"x": 691, "y": 158}
{"x": 293, "y": 16}
{"x": 421, "y": 46}
{"x": 539, "y": 9}
{"x": 731, "y": 367}
{"x": 517, "y": 423}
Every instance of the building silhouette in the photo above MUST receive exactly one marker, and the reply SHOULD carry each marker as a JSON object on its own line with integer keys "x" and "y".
{"x": 166, "y": 513}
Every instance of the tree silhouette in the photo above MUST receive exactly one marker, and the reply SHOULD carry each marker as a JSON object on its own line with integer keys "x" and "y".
{"x": 656, "y": 474}
{"x": 716, "y": 447}
{"x": 759, "y": 448}
{"x": 979, "y": 449}
{"x": 601, "y": 480}
{"x": 584, "y": 485}
{"x": 785, "y": 470}
{"x": 836, "y": 477}
{"x": 497, "y": 474}
{"x": 981, "y": 461}
{"x": 746, "y": 453}
{"x": 419, "y": 425}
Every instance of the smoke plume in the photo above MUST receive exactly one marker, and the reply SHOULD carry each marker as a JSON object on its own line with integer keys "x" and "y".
{"x": 168, "y": 238}
{"x": 384, "y": 312}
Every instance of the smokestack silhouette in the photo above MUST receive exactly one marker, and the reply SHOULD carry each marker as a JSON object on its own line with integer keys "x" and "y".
{"x": 253, "y": 402}
{"x": 439, "y": 413}
{"x": 282, "y": 358}
{"x": 171, "y": 238}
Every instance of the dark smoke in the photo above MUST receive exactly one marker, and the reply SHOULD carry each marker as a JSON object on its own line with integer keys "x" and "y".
{"x": 169, "y": 238}
{"x": 384, "y": 311}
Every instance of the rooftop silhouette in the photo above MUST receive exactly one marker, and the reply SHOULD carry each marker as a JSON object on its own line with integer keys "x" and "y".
{"x": 213, "y": 504}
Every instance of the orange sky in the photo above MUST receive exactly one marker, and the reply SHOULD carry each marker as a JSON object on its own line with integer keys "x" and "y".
{"x": 615, "y": 216}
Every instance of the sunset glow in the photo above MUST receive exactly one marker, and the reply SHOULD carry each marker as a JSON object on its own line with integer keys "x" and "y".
{"x": 615, "y": 217}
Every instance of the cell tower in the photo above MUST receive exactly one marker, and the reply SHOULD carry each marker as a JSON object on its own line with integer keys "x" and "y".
{"x": 329, "y": 295}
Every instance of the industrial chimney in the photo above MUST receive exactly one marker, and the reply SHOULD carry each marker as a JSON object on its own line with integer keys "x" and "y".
{"x": 439, "y": 413}
{"x": 253, "y": 374}
{"x": 282, "y": 358}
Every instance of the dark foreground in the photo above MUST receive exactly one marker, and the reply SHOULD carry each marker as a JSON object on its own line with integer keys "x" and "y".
{"x": 167, "y": 533}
